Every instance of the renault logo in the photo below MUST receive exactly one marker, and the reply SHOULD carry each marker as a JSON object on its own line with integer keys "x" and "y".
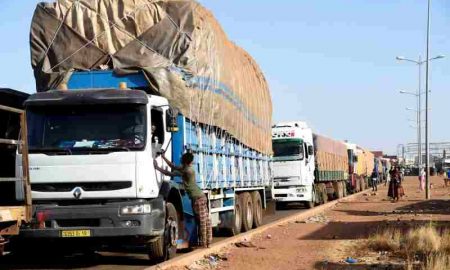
{"x": 77, "y": 193}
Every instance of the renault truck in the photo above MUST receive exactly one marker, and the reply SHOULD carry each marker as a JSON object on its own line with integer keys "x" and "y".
{"x": 112, "y": 95}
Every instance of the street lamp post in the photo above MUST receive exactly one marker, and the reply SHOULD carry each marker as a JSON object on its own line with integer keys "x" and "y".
{"x": 427, "y": 122}
{"x": 427, "y": 132}
{"x": 418, "y": 121}
{"x": 418, "y": 94}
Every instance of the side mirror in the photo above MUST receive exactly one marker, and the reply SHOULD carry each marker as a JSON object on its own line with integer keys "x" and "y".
{"x": 355, "y": 159}
{"x": 171, "y": 120}
{"x": 310, "y": 150}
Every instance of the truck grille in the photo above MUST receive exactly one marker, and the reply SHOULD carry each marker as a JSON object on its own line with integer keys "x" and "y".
{"x": 91, "y": 186}
{"x": 68, "y": 223}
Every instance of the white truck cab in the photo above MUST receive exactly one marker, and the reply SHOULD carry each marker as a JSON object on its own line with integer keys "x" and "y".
{"x": 293, "y": 163}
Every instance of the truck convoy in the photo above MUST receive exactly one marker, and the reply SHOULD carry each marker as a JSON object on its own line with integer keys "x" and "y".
{"x": 361, "y": 165}
{"x": 312, "y": 169}
{"x": 119, "y": 82}
{"x": 307, "y": 167}
{"x": 15, "y": 196}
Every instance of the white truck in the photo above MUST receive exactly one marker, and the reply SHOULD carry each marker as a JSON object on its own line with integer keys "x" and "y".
{"x": 307, "y": 167}
{"x": 91, "y": 157}
{"x": 293, "y": 163}
{"x": 117, "y": 83}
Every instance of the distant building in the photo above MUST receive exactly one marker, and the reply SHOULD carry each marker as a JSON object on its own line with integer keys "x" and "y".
{"x": 391, "y": 157}
{"x": 377, "y": 154}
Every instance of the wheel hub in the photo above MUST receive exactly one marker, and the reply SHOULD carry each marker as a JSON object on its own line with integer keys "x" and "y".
{"x": 172, "y": 227}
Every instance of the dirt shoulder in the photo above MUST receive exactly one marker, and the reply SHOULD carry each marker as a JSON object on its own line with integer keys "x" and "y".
{"x": 324, "y": 241}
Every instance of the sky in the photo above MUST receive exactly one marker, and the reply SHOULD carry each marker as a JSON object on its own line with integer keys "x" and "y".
{"x": 328, "y": 62}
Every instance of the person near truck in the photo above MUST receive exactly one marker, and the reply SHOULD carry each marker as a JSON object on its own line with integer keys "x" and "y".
{"x": 447, "y": 177}
{"x": 198, "y": 198}
{"x": 374, "y": 180}
{"x": 395, "y": 190}
{"x": 422, "y": 179}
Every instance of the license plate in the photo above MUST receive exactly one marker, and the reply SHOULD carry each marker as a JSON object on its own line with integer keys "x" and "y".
{"x": 76, "y": 233}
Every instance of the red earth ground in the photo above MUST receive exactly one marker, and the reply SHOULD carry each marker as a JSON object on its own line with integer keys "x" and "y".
{"x": 325, "y": 241}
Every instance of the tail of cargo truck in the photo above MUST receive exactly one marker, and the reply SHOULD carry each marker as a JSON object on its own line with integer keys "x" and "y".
{"x": 331, "y": 168}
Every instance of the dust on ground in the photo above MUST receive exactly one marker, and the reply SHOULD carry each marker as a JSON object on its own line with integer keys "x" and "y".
{"x": 327, "y": 240}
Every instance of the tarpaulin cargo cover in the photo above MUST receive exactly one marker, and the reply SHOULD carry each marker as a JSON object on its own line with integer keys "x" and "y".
{"x": 331, "y": 159}
{"x": 179, "y": 46}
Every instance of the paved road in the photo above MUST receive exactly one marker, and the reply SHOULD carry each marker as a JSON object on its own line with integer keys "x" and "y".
{"x": 105, "y": 260}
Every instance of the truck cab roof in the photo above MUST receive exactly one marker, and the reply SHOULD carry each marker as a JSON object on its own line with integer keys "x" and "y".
{"x": 88, "y": 97}
{"x": 294, "y": 124}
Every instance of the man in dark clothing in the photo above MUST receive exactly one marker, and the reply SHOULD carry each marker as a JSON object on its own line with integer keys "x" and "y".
{"x": 374, "y": 180}
{"x": 198, "y": 198}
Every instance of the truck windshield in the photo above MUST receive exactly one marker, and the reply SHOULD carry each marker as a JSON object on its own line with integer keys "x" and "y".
{"x": 291, "y": 150}
{"x": 71, "y": 129}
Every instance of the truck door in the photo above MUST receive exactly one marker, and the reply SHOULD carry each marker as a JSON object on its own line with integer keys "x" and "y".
{"x": 308, "y": 176}
{"x": 160, "y": 139}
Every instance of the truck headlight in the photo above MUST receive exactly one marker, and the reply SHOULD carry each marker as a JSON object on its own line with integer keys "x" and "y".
{"x": 136, "y": 209}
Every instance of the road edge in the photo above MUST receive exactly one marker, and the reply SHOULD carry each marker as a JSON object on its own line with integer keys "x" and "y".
{"x": 189, "y": 258}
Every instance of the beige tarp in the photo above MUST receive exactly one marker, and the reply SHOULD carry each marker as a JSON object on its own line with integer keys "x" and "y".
{"x": 331, "y": 155}
{"x": 181, "y": 48}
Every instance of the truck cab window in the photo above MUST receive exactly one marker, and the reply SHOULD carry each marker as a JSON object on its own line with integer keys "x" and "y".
{"x": 157, "y": 128}
{"x": 288, "y": 150}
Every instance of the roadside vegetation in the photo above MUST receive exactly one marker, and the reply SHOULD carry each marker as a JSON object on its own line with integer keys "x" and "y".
{"x": 425, "y": 247}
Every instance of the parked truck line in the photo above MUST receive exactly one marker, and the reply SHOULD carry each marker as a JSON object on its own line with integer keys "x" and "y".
{"x": 312, "y": 169}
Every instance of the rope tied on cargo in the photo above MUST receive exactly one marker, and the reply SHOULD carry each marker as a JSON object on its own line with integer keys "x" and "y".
{"x": 91, "y": 41}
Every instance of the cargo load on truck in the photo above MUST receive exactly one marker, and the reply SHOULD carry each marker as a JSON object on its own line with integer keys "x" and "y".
{"x": 179, "y": 46}
{"x": 331, "y": 159}
{"x": 122, "y": 83}
{"x": 364, "y": 168}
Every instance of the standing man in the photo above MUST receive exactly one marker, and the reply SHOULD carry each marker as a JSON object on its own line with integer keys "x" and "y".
{"x": 447, "y": 177}
{"x": 198, "y": 198}
{"x": 374, "y": 180}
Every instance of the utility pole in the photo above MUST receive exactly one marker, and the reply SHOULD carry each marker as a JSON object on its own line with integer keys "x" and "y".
{"x": 427, "y": 132}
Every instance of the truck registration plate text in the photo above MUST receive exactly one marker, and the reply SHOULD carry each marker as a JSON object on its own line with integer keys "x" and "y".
{"x": 76, "y": 233}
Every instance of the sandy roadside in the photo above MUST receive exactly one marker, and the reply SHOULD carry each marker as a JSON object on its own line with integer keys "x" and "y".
{"x": 325, "y": 241}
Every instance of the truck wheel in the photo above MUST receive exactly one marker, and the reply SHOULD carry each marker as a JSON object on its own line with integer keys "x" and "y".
{"x": 340, "y": 189}
{"x": 309, "y": 205}
{"x": 236, "y": 227}
{"x": 317, "y": 194}
{"x": 247, "y": 211}
{"x": 323, "y": 191}
{"x": 257, "y": 209}
{"x": 165, "y": 247}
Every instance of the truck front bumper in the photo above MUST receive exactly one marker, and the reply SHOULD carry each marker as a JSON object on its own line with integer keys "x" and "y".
{"x": 292, "y": 193}
{"x": 95, "y": 220}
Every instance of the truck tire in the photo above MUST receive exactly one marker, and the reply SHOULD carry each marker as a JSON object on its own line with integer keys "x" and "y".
{"x": 165, "y": 247}
{"x": 317, "y": 194}
{"x": 236, "y": 224}
{"x": 311, "y": 203}
{"x": 340, "y": 189}
{"x": 323, "y": 193}
{"x": 257, "y": 209}
{"x": 337, "y": 190}
{"x": 247, "y": 211}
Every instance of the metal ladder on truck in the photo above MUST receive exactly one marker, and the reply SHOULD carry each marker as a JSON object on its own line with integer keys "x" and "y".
{"x": 15, "y": 197}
